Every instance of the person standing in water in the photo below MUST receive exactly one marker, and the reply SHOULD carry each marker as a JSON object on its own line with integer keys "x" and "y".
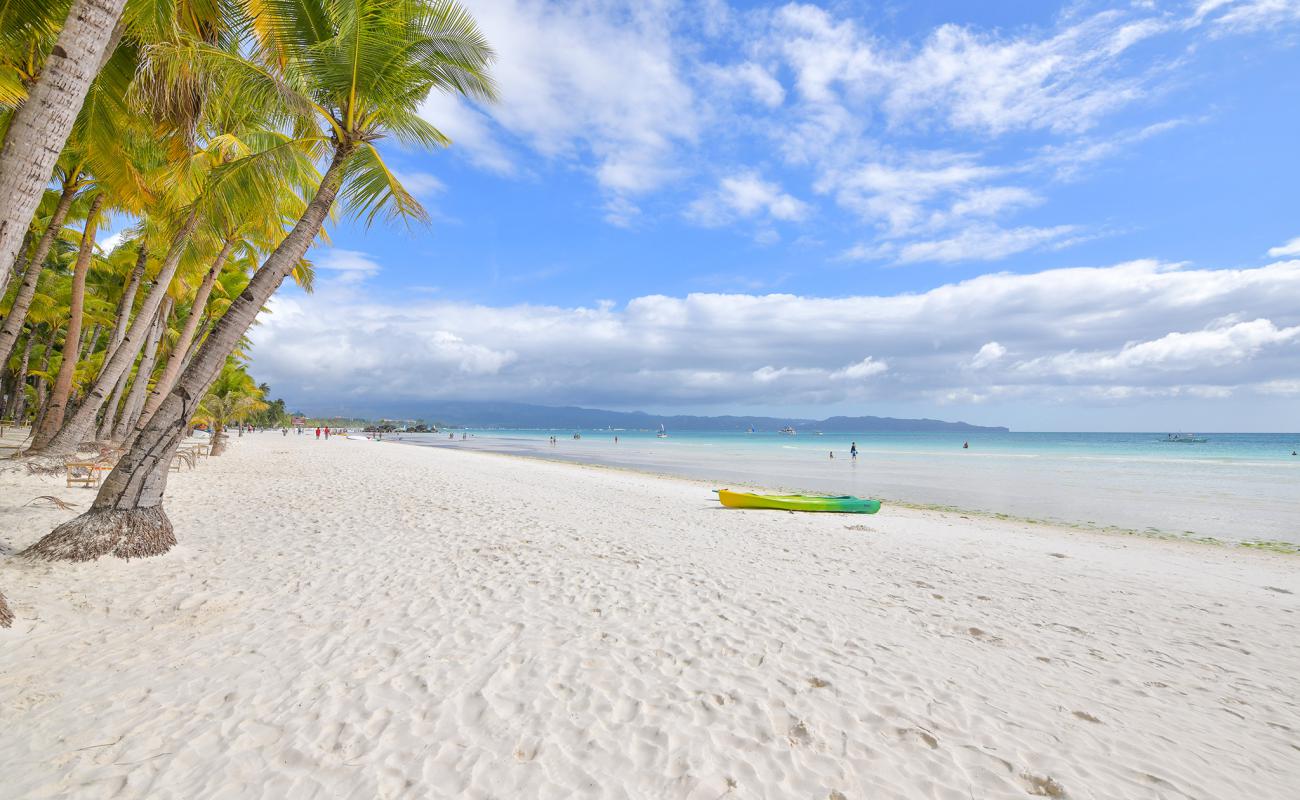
{"x": 853, "y": 451}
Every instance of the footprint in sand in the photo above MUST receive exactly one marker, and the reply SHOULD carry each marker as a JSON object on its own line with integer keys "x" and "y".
{"x": 1040, "y": 786}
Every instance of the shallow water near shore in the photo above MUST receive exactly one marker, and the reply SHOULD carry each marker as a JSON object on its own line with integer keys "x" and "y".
{"x": 1232, "y": 487}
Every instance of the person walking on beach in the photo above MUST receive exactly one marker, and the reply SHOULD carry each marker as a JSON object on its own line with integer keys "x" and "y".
{"x": 327, "y": 431}
{"x": 317, "y": 431}
{"x": 853, "y": 451}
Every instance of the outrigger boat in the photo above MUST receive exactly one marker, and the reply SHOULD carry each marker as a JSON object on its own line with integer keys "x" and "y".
{"x": 1185, "y": 438}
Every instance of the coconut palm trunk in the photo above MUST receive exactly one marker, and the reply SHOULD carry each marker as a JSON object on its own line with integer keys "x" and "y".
{"x": 178, "y": 355}
{"x": 135, "y": 399}
{"x": 41, "y": 381}
{"x": 40, "y": 126}
{"x": 72, "y": 340}
{"x": 91, "y": 343}
{"x": 125, "y": 304}
{"x": 114, "y": 405}
{"x": 80, "y": 425}
{"x": 6, "y": 616}
{"x": 127, "y": 518}
{"x": 18, "y": 407}
{"x": 13, "y": 323}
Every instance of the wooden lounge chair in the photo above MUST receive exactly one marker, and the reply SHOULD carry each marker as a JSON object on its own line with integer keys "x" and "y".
{"x": 85, "y": 473}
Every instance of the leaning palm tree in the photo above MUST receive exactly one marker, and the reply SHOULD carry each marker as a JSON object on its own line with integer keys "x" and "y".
{"x": 351, "y": 72}
{"x": 41, "y": 125}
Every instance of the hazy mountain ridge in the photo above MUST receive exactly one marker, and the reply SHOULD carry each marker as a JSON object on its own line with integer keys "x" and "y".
{"x": 525, "y": 415}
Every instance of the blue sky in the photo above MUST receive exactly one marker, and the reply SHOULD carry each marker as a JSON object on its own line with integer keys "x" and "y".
{"x": 1048, "y": 216}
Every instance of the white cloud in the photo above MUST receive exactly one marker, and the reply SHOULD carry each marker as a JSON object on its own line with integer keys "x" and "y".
{"x": 420, "y": 184}
{"x": 975, "y": 243}
{"x": 1114, "y": 334}
{"x": 594, "y": 84}
{"x": 110, "y": 242}
{"x": 862, "y": 369}
{"x": 990, "y": 353}
{"x": 1291, "y": 248}
{"x": 1070, "y": 160}
{"x": 987, "y": 82}
{"x": 753, "y": 79}
{"x": 1222, "y": 344}
{"x": 983, "y": 243}
{"x": 348, "y": 266}
{"x": 746, "y": 195}
{"x": 897, "y": 196}
{"x": 470, "y": 132}
{"x": 1245, "y": 16}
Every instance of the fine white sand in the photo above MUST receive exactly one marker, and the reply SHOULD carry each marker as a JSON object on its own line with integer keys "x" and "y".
{"x": 356, "y": 619}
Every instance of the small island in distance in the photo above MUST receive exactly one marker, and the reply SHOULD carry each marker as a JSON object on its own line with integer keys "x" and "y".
{"x": 526, "y": 415}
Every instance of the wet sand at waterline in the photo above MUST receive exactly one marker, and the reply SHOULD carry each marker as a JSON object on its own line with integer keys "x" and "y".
{"x": 360, "y": 619}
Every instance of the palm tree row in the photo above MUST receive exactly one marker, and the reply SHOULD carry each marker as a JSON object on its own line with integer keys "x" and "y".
{"x": 225, "y": 135}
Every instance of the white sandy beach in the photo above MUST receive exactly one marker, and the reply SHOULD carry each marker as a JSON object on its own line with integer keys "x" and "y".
{"x": 356, "y": 619}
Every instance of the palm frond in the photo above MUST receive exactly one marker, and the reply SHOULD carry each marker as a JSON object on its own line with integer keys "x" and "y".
{"x": 371, "y": 189}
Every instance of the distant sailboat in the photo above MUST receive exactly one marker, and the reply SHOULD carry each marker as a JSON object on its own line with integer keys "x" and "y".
{"x": 662, "y": 434}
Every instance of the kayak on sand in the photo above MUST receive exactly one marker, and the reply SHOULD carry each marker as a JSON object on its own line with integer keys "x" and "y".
{"x": 798, "y": 502}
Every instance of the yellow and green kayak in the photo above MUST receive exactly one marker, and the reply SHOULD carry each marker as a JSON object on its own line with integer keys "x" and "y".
{"x": 798, "y": 502}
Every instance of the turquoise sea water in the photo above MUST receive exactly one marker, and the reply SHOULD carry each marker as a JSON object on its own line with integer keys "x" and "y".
{"x": 1234, "y": 486}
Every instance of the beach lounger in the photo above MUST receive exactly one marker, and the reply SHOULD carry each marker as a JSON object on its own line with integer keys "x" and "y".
{"x": 85, "y": 473}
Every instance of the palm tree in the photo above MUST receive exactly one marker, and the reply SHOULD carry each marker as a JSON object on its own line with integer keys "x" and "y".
{"x": 234, "y": 397}
{"x": 72, "y": 340}
{"x": 41, "y": 125}
{"x": 70, "y": 183}
{"x": 349, "y": 73}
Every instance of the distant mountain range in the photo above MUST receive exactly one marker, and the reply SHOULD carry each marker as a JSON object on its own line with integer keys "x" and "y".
{"x": 524, "y": 415}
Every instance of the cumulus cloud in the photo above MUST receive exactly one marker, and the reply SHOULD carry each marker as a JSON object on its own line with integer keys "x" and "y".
{"x": 988, "y": 354}
{"x": 1115, "y": 334}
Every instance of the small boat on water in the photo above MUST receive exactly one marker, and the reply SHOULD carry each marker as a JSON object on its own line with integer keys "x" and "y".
{"x": 1185, "y": 438}
{"x": 788, "y": 431}
{"x": 798, "y": 502}
{"x": 662, "y": 434}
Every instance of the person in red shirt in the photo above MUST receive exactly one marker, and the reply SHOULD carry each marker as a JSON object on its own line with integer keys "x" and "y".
{"x": 317, "y": 431}
{"x": 327, "y": 431}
